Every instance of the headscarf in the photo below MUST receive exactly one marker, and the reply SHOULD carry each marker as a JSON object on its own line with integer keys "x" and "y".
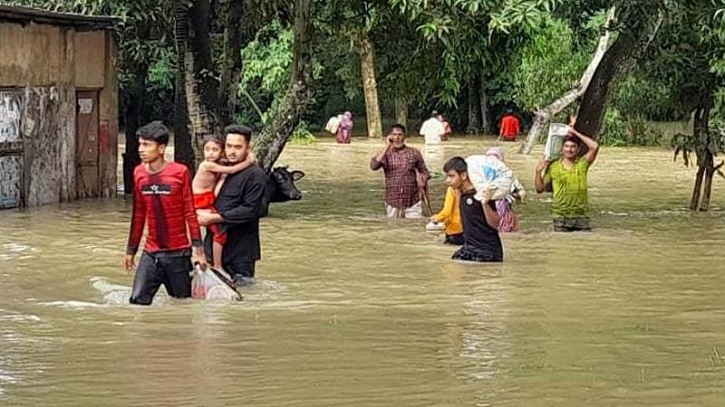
{"x": 496, "y": 152}
{"x": 346, "y": 121}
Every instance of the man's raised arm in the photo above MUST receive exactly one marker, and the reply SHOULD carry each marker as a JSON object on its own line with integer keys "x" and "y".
{"x": 379, "y": 160}
{"x": 592, "y": 146}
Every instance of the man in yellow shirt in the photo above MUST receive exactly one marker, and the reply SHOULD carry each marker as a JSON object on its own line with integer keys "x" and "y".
{"x": 568, "y": 178}
{"x": 450, "y": 215}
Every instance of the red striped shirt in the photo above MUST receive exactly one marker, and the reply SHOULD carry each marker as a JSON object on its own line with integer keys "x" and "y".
{"x": 164, "y": 201}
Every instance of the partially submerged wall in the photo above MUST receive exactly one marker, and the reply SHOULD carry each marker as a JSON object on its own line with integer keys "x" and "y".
{"x": 49, "y": 145}
{"x": 42, "y": 66}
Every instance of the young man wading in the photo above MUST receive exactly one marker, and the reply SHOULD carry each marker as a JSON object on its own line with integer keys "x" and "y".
{"x": 481, "y": 241}
{"x": 162, "y": 199}
{"x": 568, "y": 178}
{"x": 241, "y": 201}
{"x": 405, "y": 175}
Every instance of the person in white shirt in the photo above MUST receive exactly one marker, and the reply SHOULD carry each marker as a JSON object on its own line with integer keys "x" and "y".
{"x": 432, "y": 129}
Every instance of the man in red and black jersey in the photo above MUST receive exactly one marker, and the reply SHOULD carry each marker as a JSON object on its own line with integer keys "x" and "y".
{"x": 162, "y": 198}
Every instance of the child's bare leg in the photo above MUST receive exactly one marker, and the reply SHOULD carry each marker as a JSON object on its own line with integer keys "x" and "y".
{"x": 217, "y": 254}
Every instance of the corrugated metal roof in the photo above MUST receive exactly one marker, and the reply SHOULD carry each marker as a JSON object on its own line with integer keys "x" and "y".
{"x": 25, "y": 15}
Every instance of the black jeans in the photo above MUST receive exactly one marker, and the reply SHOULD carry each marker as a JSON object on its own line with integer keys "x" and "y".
{"x": 572, "y": 225}
{"x": 242, "y": 271}
{"x": 456, "y": 239}
{"x": 467, "y": 253}
{"x": 168, "y": 268}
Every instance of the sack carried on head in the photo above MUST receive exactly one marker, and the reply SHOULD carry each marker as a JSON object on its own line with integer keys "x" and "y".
{"x": 557, "y": 135}
{"x": 487, "y": 172}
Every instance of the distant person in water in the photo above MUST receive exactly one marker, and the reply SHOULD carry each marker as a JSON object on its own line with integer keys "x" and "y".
{"x": 208, "y": 174}
{"x": 447, "y": 131}
{"x": 568, "y": 179}
{"x": 505, "y": 207}
{"x": 406, "y": 175}
{"x": 510, "y": 126}
{"x": 162, "y": 199}
{"x": 481, "y": 241}
{"x": 344, "y": 131}
{"x": 432, "y": 129}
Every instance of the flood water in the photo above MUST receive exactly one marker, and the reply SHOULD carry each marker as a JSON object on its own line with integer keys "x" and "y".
{"x": 354, "y": 310}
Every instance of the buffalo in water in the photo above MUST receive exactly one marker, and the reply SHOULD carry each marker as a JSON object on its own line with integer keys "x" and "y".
{"x": 281, "y": 184}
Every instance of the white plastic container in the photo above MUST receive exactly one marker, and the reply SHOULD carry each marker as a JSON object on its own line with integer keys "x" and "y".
{"x": 435, "y": 227}
{"x": 557, "y": 134}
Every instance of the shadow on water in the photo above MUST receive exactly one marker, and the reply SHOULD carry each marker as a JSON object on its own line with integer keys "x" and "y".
{"x": 352, "y": 309}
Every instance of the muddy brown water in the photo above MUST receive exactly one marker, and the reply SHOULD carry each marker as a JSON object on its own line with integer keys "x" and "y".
{"x": 354, "y": 310}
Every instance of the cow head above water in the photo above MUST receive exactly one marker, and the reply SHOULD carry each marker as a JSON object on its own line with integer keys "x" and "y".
{"x": 282, "y": 185}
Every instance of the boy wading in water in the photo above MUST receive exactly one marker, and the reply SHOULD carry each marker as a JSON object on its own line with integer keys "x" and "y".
{"x": 568, "y": 179}
{"x": 208, "y": 175}
{"x": 481, "y": 241}
{"x": 450, "y": 215}
{"x": 162, "y": 199}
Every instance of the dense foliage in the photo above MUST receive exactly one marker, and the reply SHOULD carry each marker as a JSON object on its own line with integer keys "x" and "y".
{"x": 452, "y": 55}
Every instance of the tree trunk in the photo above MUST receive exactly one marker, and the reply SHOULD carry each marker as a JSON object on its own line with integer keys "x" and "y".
{"x": 401, "y": 111}
{"x": 370, "y": 86}
{"x": 474, "y": 103}
{"x": 695, "y": 200}
{"x": 640, "y": 26}
{"x": 542, "y": 116}
{"x": 133, "y": 121}
{"x": 273, "y": 138}
{"x": 707, "y": 191}
{"x": 705, "y": 159}
{"x": 483, "y": 100}
{"x": 183, "y": 152}
{"x": 201, "y": 88}
{"x": 232, "y": 60}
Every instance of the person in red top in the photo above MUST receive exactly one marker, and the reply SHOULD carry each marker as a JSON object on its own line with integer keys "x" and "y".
{"x": 162, "y": 199}
{"x": 510, "y": 127}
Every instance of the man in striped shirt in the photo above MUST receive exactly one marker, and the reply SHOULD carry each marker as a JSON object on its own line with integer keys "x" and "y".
{"x": 405, "y": 175}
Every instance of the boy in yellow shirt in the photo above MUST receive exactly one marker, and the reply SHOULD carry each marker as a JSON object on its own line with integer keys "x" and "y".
{"x": 450, "y": 215}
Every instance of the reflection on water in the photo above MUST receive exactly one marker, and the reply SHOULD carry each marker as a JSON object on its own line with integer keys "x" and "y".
{"x": 351, "y": 309}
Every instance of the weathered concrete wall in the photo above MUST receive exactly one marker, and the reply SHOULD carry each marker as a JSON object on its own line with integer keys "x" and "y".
{"x": 90, "y": 56}
{"x": 48, "y": 64}
{"x": 49, "y": 145}
{"x": 108, "y": 116}
{"x": 11, "y": 170}
{"x": 34, "y": 55}
{"x": 11, "y": 147}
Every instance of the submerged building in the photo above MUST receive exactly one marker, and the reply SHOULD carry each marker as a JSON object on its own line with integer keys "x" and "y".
{"x": 58, "y": 107}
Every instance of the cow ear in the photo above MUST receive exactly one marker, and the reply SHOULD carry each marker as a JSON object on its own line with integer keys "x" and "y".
{"x": 297, "y": 175}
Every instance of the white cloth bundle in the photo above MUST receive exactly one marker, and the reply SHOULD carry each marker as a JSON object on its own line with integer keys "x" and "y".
{"x": 333, "y": 124}
{"x": 489, "y": 173}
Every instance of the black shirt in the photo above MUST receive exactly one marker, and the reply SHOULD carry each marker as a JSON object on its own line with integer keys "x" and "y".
{"x": 478, "y": 235}
{"x": 241, "y": 201}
